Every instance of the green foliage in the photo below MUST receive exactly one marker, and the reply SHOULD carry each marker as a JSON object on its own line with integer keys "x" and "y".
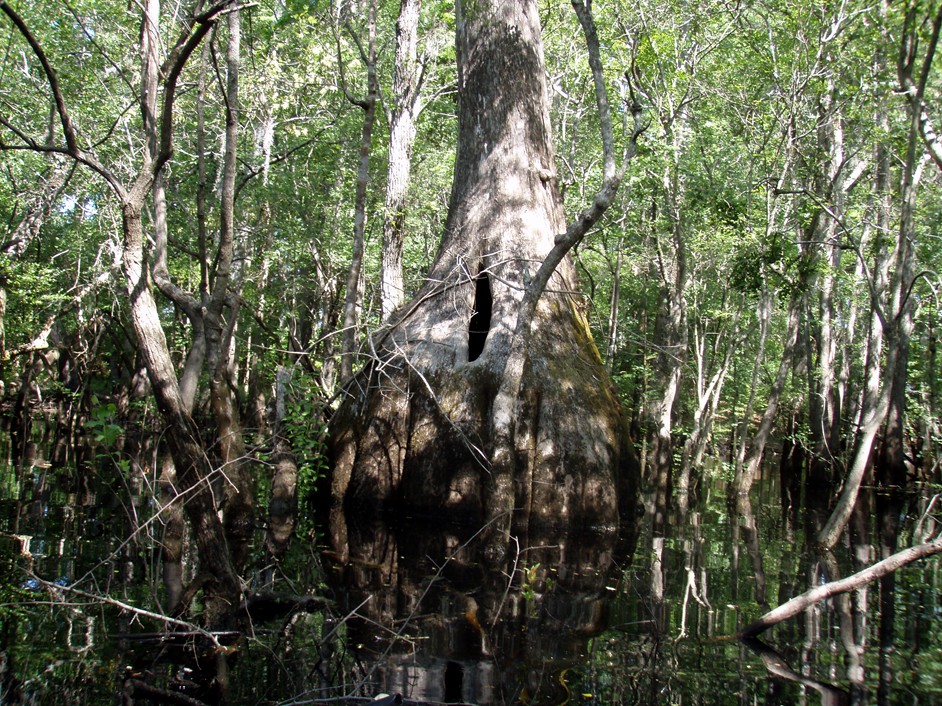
{"x": 103, "y": 426}
{"x": 33, "y": 289}
{"x": 306, "y": 429}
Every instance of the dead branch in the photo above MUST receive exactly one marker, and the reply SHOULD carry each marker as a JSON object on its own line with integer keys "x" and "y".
{"x": 127, "y": 607}
{"x": 800, "y": 603}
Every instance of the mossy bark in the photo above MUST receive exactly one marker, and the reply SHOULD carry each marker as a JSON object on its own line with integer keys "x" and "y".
{"x": 415, "y": 430}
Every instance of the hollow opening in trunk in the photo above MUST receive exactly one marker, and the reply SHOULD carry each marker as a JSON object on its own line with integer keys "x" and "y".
{"x": 480, "y": 322}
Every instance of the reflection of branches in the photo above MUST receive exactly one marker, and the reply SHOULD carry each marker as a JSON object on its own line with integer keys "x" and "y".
{"x": 140, "y": 527}
{"x": 777, "y": 666}
{"x": 513, "y": 572}
{"x": 394, "y": 636}
{"x": 690, "y": 590}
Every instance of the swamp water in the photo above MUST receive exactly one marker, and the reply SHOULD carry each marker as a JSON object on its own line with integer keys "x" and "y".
{"x": 440, "y": 618}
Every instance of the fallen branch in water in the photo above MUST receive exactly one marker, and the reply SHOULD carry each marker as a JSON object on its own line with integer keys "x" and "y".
{"x": 799, "y": 604}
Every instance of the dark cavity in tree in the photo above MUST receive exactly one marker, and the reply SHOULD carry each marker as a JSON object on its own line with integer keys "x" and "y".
{"x": 480, "y": 322}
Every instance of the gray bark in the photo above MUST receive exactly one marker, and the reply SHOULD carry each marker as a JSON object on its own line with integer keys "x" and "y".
{"x": 353, "y": 295}
{"x": 402, "y": 128}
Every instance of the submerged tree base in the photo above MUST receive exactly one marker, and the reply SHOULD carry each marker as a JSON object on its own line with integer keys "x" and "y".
{"x": 413, "y": 435}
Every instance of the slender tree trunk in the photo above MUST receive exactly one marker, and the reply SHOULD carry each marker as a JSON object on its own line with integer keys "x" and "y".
{"x": 891, "y": 324}
{"x": 239, "y": 493}
{"x": 193, "y": 468}
{"x": 893, "y": 462}
{"x": 402, "y": 117}
{"x": 764, "y": 315}
{"x": 892, "y": 318}
{"x": 824, "y": 403}
{"x": 670, "y": 327}
{"x": 750, "y": 467}
{"x": 283, "y": 507}
{"x": 708, "y": 398}
{"x": 352, "y": 298}
{"x": 612, "y": 347}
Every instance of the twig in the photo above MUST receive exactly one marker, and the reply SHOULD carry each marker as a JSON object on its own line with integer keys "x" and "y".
{"x": 128, "y": 608}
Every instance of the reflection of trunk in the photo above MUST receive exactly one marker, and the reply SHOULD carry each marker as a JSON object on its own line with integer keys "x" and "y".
{"x": 778, "y": 667}
{"x": 417, "y": 431}
{"x": 853, "y": 650}
{"x": 889, "y": 509}
{"x": 21, "y": 426}
{"x": 791, "y": 466}
{"x": 490, "y": 633}
{"x": 746, "y": 521}
{"x": 283, "y": 507}
{"x": 174, "y": 530}
{"x": 695, "y": 566}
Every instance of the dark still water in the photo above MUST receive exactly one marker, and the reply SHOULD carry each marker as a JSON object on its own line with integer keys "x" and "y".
{"x": 459, "y": 615}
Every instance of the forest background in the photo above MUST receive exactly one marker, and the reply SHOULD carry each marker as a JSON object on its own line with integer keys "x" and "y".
{"x": 767, "y": 269}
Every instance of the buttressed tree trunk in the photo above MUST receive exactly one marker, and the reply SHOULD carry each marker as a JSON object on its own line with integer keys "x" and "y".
{"x": 415, "y": 428}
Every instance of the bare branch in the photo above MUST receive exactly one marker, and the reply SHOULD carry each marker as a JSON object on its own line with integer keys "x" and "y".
{"x": 915, "y": 90}
{"x": 612, "y": 175}
{"x": 127, "y": 607}
{"x": 53, "y": 80}
{"x": 800, "y": 603}
{"x": 71, "y": 149}
{"x": 174, "y": 66}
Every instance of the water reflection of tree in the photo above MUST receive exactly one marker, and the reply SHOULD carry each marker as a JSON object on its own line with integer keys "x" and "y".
{"x": 663, "y": 643}
{"x": 440, "y": 617}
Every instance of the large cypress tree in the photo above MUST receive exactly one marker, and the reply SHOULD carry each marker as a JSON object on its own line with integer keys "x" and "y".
{"x": 475, "y": 402}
